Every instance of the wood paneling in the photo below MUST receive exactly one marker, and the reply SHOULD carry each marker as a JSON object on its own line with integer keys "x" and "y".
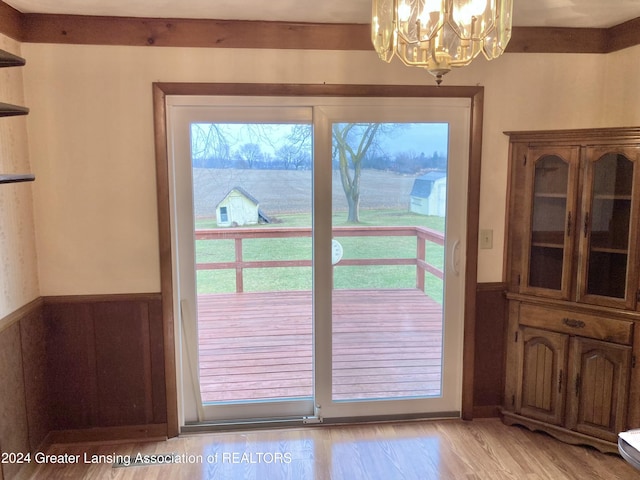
{"x": 81, "y": 368}
{"x": 78, "y": 29}
{"x": 10, "y": 21}
{"x": 173, "y": 32}
{"x": 71, "y": 361}
{"x": 105, "y": 361}
{"x": 24, "y": 412}
{"x": 123, "y": 364}
{"x": 558, "y": 40}
{"x": 157, "y": 357}
{"x": 34, "y": 363}
{"x": 625, "y": 35}
{"x": 14, "y": 428}
{"x": 491, "y": 319}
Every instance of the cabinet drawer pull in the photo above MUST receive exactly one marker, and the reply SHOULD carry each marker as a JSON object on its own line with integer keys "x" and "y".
{"x": 570, "y": 322}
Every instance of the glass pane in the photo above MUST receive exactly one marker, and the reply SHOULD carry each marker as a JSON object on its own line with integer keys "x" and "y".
{"x": 252, "y": 206}
{"x": 609, "y": 222}
{"x": 389, "y": 208}
{"x": 550, "y": 186}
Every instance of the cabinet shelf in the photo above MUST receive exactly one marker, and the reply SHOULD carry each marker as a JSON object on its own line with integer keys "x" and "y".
{"x": 612, "y": 197}
{"x": 17, "y": 178}
{"x": 560, "y": 196}
{"x": 547, "y": 245}
{"x": 617, "y": 251}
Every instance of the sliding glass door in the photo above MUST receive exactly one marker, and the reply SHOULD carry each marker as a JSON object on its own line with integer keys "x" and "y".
{"x": 398, "y": 220}
{"x": 245, "y": 260}
{"x": 318, "y": 257}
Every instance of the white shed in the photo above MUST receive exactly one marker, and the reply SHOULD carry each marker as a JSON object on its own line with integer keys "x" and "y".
{"x": 239, "y": 208}
{"x": 429, "y": 194}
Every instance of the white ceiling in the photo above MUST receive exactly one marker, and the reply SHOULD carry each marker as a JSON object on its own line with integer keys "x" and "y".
{"x": 542, "y": 13}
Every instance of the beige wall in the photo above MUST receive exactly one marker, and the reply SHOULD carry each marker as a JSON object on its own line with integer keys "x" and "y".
{"x": 91, "y": 137}
{"x": 621, "y": 92}
{"x": 18, "y": 260}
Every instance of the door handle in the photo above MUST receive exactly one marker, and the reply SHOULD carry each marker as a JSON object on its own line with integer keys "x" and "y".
{"x": 455, "y": 261}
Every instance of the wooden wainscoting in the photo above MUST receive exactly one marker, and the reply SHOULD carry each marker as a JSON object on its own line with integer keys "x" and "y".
{"x": 82, "y": 368}
{"x": 489, "y": 349}
{"x": 105, "y": 361}
{"x": 24, "y": 421}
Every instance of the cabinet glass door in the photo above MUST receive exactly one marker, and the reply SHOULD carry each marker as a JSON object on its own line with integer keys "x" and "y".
{"x": 608, "y": 228}
{"x": 551, "y": 189}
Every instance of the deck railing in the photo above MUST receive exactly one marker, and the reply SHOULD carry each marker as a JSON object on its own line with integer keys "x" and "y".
{"x": 422, "y": 234}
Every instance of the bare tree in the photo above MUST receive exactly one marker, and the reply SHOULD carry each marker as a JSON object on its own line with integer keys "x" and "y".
{"x": 288, "y": 155}
{"x": 250, "y": 154}
{"x": 351, "y": 143}
{"x": 208, "y": 143}
{"x": 301, "y": 141}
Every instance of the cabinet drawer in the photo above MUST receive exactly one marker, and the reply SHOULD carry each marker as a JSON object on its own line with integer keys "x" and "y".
{"x": 573, "y": 323}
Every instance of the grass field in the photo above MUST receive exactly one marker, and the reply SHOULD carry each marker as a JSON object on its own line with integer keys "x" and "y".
{"x": 300, "y": 278}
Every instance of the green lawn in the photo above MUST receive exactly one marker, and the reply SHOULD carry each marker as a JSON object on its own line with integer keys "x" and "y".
{"x": 348, "y": 277}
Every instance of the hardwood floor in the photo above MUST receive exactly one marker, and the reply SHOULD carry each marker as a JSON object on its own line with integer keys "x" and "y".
{"x": 443, "y": 449}
{"x": 387, "y": 343}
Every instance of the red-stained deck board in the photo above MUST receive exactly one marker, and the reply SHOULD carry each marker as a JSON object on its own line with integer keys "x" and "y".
{"x": 254, "y": 346}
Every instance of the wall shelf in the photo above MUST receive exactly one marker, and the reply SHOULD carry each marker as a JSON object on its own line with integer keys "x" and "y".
{"x": 16, "y": 178}
{"x": 10, "y": 60}
{"x": 7, "y": 110}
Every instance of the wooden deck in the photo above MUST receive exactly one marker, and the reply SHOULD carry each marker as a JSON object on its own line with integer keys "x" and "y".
{"x": 255, "y": 346}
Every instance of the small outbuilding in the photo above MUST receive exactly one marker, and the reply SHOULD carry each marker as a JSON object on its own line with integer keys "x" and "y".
{"x": 238, "y": 208}
{"x": 429, "y": 194}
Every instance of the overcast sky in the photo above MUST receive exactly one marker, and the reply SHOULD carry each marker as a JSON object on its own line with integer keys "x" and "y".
{"x": 424, "y": 138}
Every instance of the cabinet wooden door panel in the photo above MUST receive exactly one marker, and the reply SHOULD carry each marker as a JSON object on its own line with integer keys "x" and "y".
{"x": 544, "y": 356}
{"x": 599, "y": 378}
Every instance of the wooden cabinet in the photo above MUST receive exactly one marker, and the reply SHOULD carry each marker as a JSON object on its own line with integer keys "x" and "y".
{"x": 573, "y": 286}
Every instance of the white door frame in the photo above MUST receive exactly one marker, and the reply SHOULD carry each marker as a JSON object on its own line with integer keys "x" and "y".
{"x": 455, "y": 112}
{"x": 321, "y": 245}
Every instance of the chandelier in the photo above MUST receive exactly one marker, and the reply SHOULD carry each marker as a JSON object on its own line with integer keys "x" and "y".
{"x": 440, "y": 34}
